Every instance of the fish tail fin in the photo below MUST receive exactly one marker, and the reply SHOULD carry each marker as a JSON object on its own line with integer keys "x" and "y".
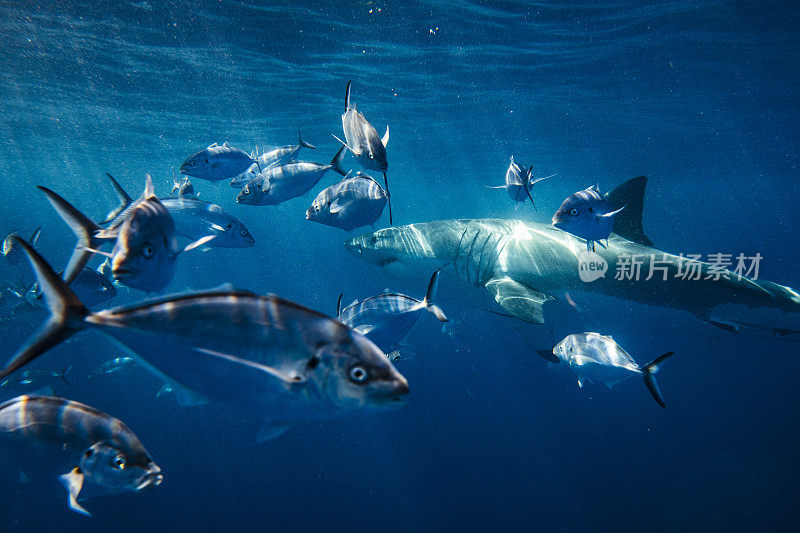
{"x": 388, "y": 198}
{"x": 66, "y": 313}
{"x": 35, "y": 235}
{"x": 83, "y": 228}
{"x": 347, "y": 96}
{"x": 430, "y": 296}
{"x": 64, "y": 373}
{"x": 649, "y": 371}
{"x": 336, "y": 162}
{"x": 302, "y": 143}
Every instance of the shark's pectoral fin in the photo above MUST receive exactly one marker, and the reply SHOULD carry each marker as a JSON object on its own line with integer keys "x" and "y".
{"x": 521, "y": 301}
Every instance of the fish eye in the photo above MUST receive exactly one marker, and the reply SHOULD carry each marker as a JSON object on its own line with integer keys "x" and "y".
{"x": 573, "y": 211}
{"x": 246, "y": 190}
{"x": 88, "y": 453}
{"x": 148, "y": 252}
{"x": 119, "y": 462}
{"x": 193, "y": 163}
{"x": 358, "y": 374}
{"x": 243, "y": 233}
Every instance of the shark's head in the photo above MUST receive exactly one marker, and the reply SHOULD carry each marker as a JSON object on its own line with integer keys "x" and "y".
{"x": 402, "y": 251}
{"x": 379, "y": 248}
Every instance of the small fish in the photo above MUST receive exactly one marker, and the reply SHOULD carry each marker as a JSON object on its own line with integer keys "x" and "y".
{"x": 180, "y": 188}
{"x": 280, "y": 183}
{"x": 99, "y": 452}
{"x": 276, "y": 157}
{"x": 145, "y": 244}
{"x": 11, "y": 253}
{"x": 363, "y": 142}
{"x": 112, "y": 366}
{"x": 588, "y": 215}
{"x": 356, "y": 201}
{"x": 166, "y": 388}
{"x": 387, "y": 318}
{"x": 278, "y": 358}
{"x": 596, "y": 357}
{"x": 519, "y": 182}
{"x": 91, "y": 286}
{"x": 33, "y": 377}
{"x": 217, "y": 163}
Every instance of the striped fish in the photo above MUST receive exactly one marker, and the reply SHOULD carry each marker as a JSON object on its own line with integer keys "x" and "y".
{"x": 386, "y": 318}
{"x": 519, "y": 182}
{"x": 262, "y": 352}
{"x": 99, "y": 450}
{"x": 355, "y": 201}
{"x": 145, "y": 244}
{"x": 588, "y": 215}
{"x": 217, "y": 163}
{"x": 276, "y": 157}
{"x": 361, "y": 138}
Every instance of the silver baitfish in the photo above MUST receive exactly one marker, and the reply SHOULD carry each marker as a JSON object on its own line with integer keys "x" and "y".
{"x": 588, "y": 215}
{"x": 217, "y": 163}
{"x": 263, "y": 352}
{"x": 280, "y": 183}
{"x": 99, "y": 454}
{"x": 362, "y": 139}
{"x": 275, "y": 157}
{"x": 519, "y": 182}
{"x": 386, "y": 318}
{"x": 145, "y": 243}
{"x": 596, "y": 357}
{"x": 112, "y": 366}
{"x": 11, "y": 253}
{"x": 194, "y": 219}
{"x": 358, "y": 200}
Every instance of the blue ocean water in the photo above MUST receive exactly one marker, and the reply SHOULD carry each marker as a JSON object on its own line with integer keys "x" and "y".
{"x": 699, "y": 96}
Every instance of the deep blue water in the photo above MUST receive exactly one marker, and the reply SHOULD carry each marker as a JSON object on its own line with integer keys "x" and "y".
{"x": 702, "y": 97}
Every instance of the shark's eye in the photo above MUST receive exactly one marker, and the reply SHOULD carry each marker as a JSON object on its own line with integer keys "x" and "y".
{"x": 148, "y": 252}
{"x": 119, "y": 462}
{"x": 573, "y": 211}
{"x": 358, "y": 374}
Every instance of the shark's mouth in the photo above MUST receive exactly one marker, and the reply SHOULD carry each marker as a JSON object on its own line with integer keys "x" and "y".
{"x": 387, "y": 262}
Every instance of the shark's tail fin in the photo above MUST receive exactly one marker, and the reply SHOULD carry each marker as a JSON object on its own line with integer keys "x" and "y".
{"x": 430, "y": 295}
{"x": 302, "y": 143}
{"x": 628, "y": 222}
{"x": 66, "y": 313}
{"x": 83, "y": 228}
{"x": 649, "y": 372}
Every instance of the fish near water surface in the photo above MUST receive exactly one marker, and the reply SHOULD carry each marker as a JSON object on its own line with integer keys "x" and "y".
{"x": 362, "y": 139}
{"x": 588, "y": 215}
{"x": 387, "y": 318}
{"x": 599, "y": 358}
{"x": 280, "y": 359}
{"x": 356, "y": 201}
{"x": 96, "y": 452}
{"x": 217, "y": 163}
{"x": 278, "y": 184}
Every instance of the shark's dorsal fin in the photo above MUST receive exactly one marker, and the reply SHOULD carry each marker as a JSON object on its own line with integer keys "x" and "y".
{"x": 521, "y": 301}
{"x": 628, "y": 222}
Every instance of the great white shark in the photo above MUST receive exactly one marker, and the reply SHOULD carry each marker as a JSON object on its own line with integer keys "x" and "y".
{"x": 525, "y": 266}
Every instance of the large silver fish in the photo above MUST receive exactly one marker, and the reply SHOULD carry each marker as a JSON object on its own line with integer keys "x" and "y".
{"x": 355, "y": 201}
{"x": 588, "y": 215}
{"x": 275, "y": 157}
{"x": 386, "y": 318}
{"x": 525, "y": 265}
{"x": 280, "y": 183}
{"x": 263, "y": 352}
{"x": 217, "y": 163}
{"x": 362, "y": 139}
{"x": 519, "y": 182}
{"x": 96, "y": 452}
{"x": 145, "y": 243}
{"x": 599, "y": 358}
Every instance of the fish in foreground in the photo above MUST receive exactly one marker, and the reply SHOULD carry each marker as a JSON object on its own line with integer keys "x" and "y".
{"x": 356, "y": 201}
{"x": 97, "y": 452}
{"x": 519, "y": 182}
{"x": 145, "y": 244}
{"x": 34, "y": 376}
{"x": 194, "y": 219}
{"x": 276, "y": 157}
{"x": 278, "y": 358}
{"x": 596, "y": 357}
{"x": 217, "y": 163}
{"x": 112, "y": 366}
{"x": 280, "y": 183}
{"x": 386, "y": 318}
{"x": 588, "y": 215}
{"x": 362, "y": 139}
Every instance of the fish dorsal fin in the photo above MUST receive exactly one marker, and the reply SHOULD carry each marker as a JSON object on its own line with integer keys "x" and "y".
{"x": 339, "y": 304}
{"x": 347, "y": 96}
{"x": 225, "y": 144}
{"x": 149, "y": 189}
{"x": 628, "y": 222}
{"x": 385, "y": 138}
{"x": 521, "y": 301}
{"x": 213, "y": 145}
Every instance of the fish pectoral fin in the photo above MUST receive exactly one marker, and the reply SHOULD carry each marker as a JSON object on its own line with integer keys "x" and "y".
{"x": 199, "y": 242}
{"x": 217, "y": 227}
{"x": 365, "y": 329}
{"x": 343, "y": 143}
{"x": 580, "y": 383}
{"x": 521, "y": 301}
{"x": 272, "y": 429}
{"x": 188, "y": 398}
{"x": 288, "y": 381}
{"x": 73, "y": 482}
{"x": 335, "y": 207}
